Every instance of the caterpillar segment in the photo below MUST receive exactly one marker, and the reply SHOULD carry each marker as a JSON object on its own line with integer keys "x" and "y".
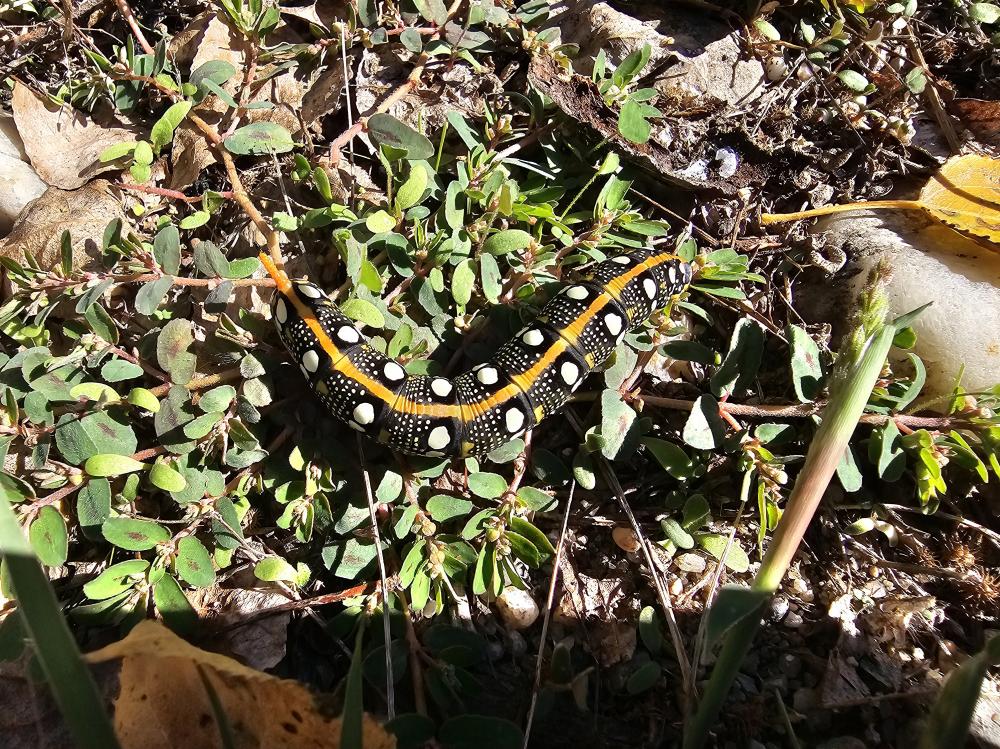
{"x": 530, "y": 377}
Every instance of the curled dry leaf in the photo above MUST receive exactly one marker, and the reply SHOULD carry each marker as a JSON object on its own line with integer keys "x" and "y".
{"x": 64, "y": 144}
{"x": 84, "y": 213}
{"x": 982, "y": 117}
{"x": 162, "y": 699}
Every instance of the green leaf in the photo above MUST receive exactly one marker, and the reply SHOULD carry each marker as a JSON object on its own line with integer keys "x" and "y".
{"x": 649, "y": 630}
{"x": 194, "y": 564}
{"x": 217, "y": 399}
{"x": 163, "y": 131}
{"x": 487, "y": 485}
{"x": 196, "y": 219}
{"x": 643, "y": 678}
{"x": 632, "y": 120}
{"x": 704, "y": 428}
{"x": 631, "y": 66}
{"x": 853, "y": 80}
{"x": 117, "y": 151}
{"x": 733, "y": 605}
{"x": 463, "y": 281}
{"x": 916, "y": 81}
{"x": 364, "y": 312}
{"x": 101, "y": 323}
{"x": 538, "y": 539}
{"x": 386, "y": 130}
{"x": 443, "y": 507}
{"x": 696, "y": 512}
{"x": 167, "y": 249}
{"x": 49, "y": 537}
{"x": 164, "y": 477}
{"x": 672, "y": 457}
{"x": 81, "y": 438}
{"x": 617, "y": 420}
{"x": 93, "y": 507}
{"x": 118, "y": 370}
{"x": 432, "y": 10}
{"x": 491, "y": 278}
{"x": 676, "y": 534}
{"x": 274, "y": 569}
{"x": 984, "y": 12}
{"x": 767, "y": 30}
{"x": 740, "y": 365}
{"x": 507, "y": 241}
{"x": 807, "y": 372}
{"x": 690, "y": 351}
{"x": 412, "y": 190}
{"x": 133, "y": 534}
{"x": 380, "y": 222}
{"x": 108, "y": 464}
{"x": 259, "y": 138}
{"x": 172, "y": 351}
{"x": 144, "y": 399}
{"x": 217, "y": 71}
{"x": 715, "y": 544}
{"x": 173, "y": 605}
{"x": 116, "y": 579}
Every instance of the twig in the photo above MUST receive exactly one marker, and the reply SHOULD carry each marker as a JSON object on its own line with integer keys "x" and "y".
{"x": 801, "y": 411}
{"x": 129, "y": 17}
{"x": 550, "y": 599}
{"x": 167, "y": 193}
{"x": 200, "y": 383}
{"x": 932, "y": 95}
{"x": 389, "y": 680}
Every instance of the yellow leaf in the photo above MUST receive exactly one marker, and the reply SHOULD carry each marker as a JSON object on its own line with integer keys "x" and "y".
{"x": 965, "y": 195}
{"x": 163, "y": 700}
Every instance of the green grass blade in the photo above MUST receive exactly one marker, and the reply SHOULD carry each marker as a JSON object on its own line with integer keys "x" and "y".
{"x": 68, "y": 677}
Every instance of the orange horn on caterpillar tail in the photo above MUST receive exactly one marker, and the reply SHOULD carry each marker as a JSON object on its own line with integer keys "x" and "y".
{"x": 279, "y": 275}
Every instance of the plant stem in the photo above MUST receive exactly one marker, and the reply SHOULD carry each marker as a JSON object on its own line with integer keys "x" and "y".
{"x": 840, "y": 418}
{"x": 865, "y": 205}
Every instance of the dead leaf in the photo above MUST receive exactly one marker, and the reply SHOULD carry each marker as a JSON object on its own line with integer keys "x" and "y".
{"x": 64, "y": 144}
{"x": 85, "y": 213}
{"x": 162, "y": 699}
{"x": 965, "y": 195}
{"x": 981, "y": 117}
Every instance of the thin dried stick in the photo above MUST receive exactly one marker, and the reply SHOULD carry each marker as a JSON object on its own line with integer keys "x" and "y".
{"x": 550, "y": 599}
{"x": 129, "y": 17}
{"x": 389, "y": 681}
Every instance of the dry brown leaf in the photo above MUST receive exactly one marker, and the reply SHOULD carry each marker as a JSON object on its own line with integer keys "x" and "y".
{"x": 85, "y": 213}
{"x": 964, "y": 194}
{"x": 982, "y": 117}
{"x": 64, "y": 144}
{"x": 162, "y": 699}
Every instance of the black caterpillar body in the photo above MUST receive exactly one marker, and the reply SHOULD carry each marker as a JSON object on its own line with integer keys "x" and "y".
{"x": 529, "y": 378}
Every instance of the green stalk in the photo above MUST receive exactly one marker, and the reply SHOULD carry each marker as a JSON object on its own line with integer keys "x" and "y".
{"x": 68, "y": 677}
{"x": 840, "y": 418}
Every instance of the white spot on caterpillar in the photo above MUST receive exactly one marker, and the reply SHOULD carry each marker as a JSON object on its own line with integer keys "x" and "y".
{"x": 514, "y": 420}
{"x": 621, "y": 259}
{"x": 487, "y": 375}
{"x": 649, "y": 286}
{"x": 438, "y": 438}
{"x": 577, "y": 292}
{"x": 364, "y": 413}
{"x": 569, "y": 372}
{"x": 280, "y": 311}
{"x": 613, "y": 323}
{"x": 440, "y": 386}
{"x": 533, "y": 337}
{"x": 672, "y": 273}
{"x": 307, "y": 289}
{"x": 310, "y": 360}
{"x": 393, "y": 371}
{"x": 348, "y": 334}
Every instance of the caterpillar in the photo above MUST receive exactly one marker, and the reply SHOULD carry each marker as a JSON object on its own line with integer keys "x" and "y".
{"x": 530, "y": 377}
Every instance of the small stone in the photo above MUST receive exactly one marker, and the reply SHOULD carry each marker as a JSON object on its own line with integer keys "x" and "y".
{"x": 689, "y": 562}
{"x": 779, "y": 607}
{"x": 676, "y": 586}
{"x": 626, "y": 539}
{"x": 792, "y": 620}
{"x": 518, "y": 646}
{"x": 517, "y": 608}
{"x": 791, "y": 665}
